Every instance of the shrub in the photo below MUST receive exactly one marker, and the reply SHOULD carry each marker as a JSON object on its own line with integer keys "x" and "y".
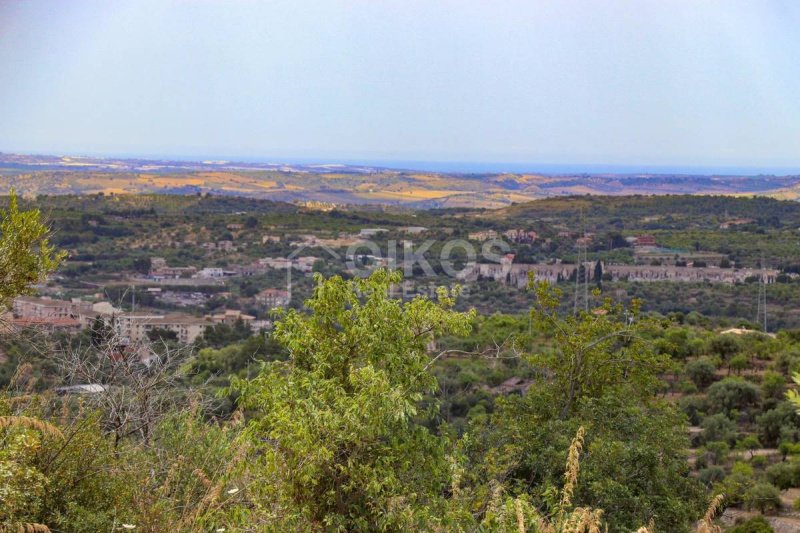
{"x": 757, "y": 524}
{"x": 773, "y": 386}
{"x": 686, "y": 386}
{"x": 749, "y": 443}
{"x": 784, "y": 475}
{"x": 713, "y": 474}
{"x": 701, "y": 372}
{"x": 779, "y": 424}
{"x": 718, "y": 428}
{"x": 762, "y": 497}
{"x": 694, "y": 407}
{"x": 736, "y": 485}
{"x": 718, "y": 451}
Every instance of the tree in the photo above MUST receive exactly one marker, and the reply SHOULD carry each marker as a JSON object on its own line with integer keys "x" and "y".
{"x": 26, "y": 256}
{"x": 773, "y": 386}
{"x": 595, "y": 351}
{"x": 725, "y": 346}
{"x": 779, "y": 424}
{"x": 162, "y": 335}
{"x": 718, "y": 427}
{"x": 335, "y": 424}
{"x": 142, "y": 265}
{"x": 701, "y": 372}
{"x": 718, "y": 451}
{"x": 784, "y": 475}
{"x": 738, "y": 363}
{"x": 135, "y": 395}
{"x": 597, "y": 371}
{"x": 220, "y": 335}
{"x": 763, "y": 497}
{"x": 749, "y": 443}
{"x": 792, "y": 394}
{"x": 736, "y": 485}
{"x": 733, "y": 394}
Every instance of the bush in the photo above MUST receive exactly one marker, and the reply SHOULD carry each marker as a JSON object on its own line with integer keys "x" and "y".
{"x": 773, "y": 386}
{"x": 784, "y": 475}
{"x": 694, "y": 407}
{"x": 713, "y": 474}
{"x": 718, "y": 428}
{"x": 686, "y": 386}
{"x": 779, "y": 424}
{"x": 736, "y": 485}
{"x": 759, "y": 461}
{"x": 762, "y": 497}
{"x": 701, "y": 372}
{"x": 718, "y": 451}
{"x": 757, "y": 524}
{"x": 748, "y": 443}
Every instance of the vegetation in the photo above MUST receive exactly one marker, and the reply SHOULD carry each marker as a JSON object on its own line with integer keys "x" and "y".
{"x": 26, "y": 255}
{"x": 365, "y": 410}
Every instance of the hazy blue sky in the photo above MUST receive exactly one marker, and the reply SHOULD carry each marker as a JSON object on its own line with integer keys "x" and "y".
{"x": 607, "y": 82}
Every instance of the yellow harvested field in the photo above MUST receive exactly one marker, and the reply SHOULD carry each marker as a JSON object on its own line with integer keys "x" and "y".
{"x": 411, "y": 194}
{"x": 515, "y": 197}
{"x": 579, "y": 189}
{"x": 178, "y": 181}
{"x": 433, "y": 180}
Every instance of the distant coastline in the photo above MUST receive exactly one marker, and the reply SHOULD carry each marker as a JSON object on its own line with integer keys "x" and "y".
{"x": 455, "y": 166}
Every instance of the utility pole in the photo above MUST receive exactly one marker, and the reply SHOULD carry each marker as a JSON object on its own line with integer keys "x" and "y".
{"x": 582, "y": 286}
{"x": 761, "y": 313}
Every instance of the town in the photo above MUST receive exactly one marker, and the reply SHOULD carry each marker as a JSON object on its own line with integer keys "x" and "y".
{"x": 230, "y": 271}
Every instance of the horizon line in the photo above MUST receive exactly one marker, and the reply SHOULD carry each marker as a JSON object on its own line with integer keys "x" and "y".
{"x": 445, "y": 166}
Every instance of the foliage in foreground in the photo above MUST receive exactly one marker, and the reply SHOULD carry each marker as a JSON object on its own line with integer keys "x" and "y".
{"x": 336, "y": 437}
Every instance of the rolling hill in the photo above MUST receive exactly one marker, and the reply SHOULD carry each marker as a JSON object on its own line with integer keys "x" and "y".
{"x": 347, "y": 184}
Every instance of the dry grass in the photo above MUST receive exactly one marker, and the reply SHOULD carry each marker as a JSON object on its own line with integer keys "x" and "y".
{"x": 25, "y": 528}
{"x": 28, "y": 422}
{"x": 572, "y": 469}
{"x": 706, "y": 525}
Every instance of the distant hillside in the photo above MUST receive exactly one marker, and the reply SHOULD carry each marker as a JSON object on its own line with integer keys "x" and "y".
{"x": 343, "y": 184}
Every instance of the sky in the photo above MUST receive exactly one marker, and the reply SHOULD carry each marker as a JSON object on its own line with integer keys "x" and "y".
{"x": 604, "y": 83}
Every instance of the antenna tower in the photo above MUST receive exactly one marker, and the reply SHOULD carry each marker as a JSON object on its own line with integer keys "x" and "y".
{"x": 761, "y": 313}
{"x": 582, "y": 284}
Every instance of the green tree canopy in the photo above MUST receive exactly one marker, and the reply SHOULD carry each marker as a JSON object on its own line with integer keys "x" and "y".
{"x": 26, "y": 255}
{"x": 336, "y": 422}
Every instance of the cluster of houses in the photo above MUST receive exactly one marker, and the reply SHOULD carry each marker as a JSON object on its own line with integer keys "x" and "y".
{"x": 132, "y": 327}
{"x": 519, "y": 236}
{"x": 159, "y": 270}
